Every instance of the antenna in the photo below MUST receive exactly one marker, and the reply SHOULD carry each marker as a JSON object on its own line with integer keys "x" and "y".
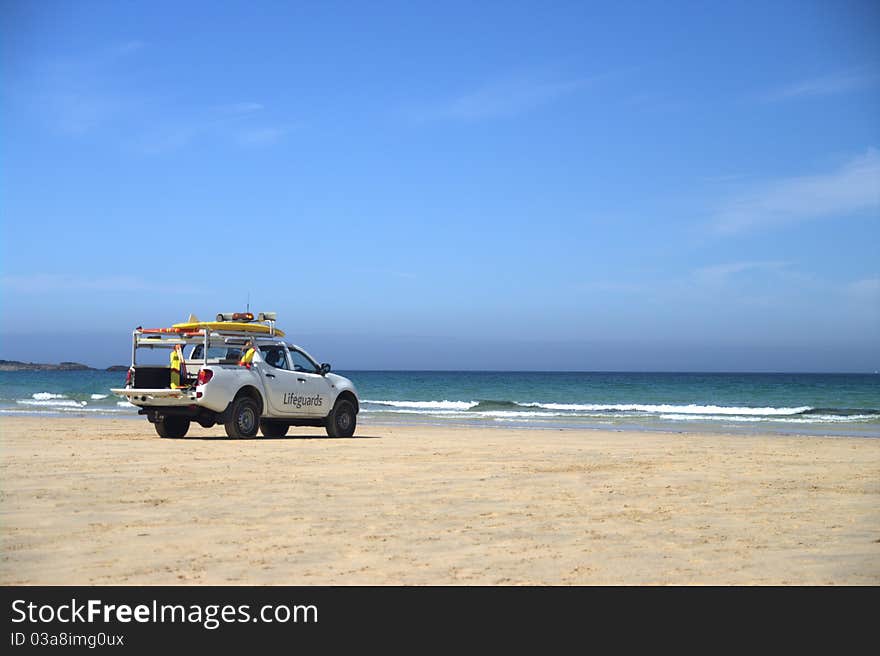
{"x": 248, "y": 303}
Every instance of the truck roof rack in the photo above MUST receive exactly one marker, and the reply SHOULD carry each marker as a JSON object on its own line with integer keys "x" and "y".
{"x": 169, "y": 340}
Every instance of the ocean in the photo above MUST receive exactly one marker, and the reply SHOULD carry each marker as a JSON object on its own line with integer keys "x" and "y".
{"x": 813, "y": 404}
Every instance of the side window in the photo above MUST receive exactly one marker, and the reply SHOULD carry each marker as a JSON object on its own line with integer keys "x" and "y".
{"x": 301, "y": 362}
{"x": 274, "y": 356}
{"x": 221, "y": 353}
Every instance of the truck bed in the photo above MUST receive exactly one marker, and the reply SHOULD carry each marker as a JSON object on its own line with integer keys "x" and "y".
{"x": 151, "y": 377}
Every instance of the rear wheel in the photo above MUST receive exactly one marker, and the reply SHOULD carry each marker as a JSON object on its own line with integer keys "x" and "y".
{"x": 244, "y": 418}
{"x": 342, "y": 420}
{"x": 273, "y": 428}
{"x": 172, "y": 427}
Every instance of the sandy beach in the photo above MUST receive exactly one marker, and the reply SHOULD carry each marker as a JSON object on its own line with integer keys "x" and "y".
{"x": 103, "y": 501}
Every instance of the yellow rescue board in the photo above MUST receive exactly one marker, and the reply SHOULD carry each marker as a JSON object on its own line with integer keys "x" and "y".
{"x": 237, "y": 326}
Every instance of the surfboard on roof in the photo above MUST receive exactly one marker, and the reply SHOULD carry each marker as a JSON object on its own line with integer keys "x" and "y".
{"x": 239, "y": 322}
{"x": 236, "y": 326}
{"x": 234, "y": 321}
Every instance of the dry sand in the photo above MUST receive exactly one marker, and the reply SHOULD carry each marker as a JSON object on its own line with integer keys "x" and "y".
{"x": 92, "y": 501}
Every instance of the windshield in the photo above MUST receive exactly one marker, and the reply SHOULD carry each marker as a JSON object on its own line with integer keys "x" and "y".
{"x": 302, "y": 362}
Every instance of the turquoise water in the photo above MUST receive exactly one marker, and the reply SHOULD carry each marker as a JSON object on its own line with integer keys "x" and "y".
{"x": 821, "y": 404}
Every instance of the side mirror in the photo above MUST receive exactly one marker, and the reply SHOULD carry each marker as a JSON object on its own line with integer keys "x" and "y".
{"x": 325, "y": 369}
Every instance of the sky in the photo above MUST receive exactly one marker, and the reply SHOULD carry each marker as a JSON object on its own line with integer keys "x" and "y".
{"x": 496, "y": 185}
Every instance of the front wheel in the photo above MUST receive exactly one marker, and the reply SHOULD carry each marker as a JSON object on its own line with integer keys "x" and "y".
{"x": 172, "y": 427}
{"x": 342, "y": 420}
{"x": 244, "y": 418}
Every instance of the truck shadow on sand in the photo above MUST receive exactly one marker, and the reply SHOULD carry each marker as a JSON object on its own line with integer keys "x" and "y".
{"x": 260, "y": 438}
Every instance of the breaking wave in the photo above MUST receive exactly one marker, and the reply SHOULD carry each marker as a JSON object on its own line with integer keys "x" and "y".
{"x": 46, "y": 396}
{"x": 426, "y": 405}
{"x": 513, "y": 410}
{"x": 690, "y": 409}
{"x": 55, "y": 403}
{"x": 73, "y": 402}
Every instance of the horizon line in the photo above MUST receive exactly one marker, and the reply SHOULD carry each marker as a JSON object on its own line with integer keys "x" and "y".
{"x": 865, "y": 372}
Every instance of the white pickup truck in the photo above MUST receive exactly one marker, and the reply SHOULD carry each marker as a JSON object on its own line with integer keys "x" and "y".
{"x": 280, "y": 386}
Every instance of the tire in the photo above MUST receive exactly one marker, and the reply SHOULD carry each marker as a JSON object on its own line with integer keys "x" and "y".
{"x": 244, "y": 418}
{"x": 273, "y": 428}
{"x": 172, "y": 427}
{"x": 342, "y": 420}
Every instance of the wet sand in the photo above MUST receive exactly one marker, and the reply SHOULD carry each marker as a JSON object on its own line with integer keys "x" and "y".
{"x": 106, "y": 501}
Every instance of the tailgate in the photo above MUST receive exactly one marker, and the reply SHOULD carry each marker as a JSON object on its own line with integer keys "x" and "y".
{"x": 137, "y": 395}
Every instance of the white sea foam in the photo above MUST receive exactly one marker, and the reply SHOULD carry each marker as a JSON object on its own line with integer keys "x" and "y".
{"x": 604, "y": 422}
{"x": 513, "y": 414}
{"x": 98, "y": 397}
{"x": 426, "y": 405}
{"x": 409, "y": 411}
{"x": 125, "y": 404}
{"x": 55, "y": 410}
{"x": 691, "y": 409}
{"x": 53, "y": 402}
{"x": 811, "y": 419}
{"x": 520, "y": 414}
{"x": 45, "y": 396}
{"x": 603, "y": 411}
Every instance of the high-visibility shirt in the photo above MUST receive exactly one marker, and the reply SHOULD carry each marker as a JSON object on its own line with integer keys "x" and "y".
{"x": 247, "y": 358}
{"x": 177, "y": 368}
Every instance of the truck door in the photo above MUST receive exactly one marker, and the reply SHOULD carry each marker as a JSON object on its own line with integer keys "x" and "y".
{"x": 292, "y": 392}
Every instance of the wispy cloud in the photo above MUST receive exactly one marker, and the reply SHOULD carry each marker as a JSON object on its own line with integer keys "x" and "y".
{"x": 865, "y": 295}
{"x": 865, "y": 289}
{"x": 43, "y": 283}
{"x": 235, "y": 109}
{"x": 501, "y": 99}
{"x": 78, "y": 94}
{"x": 391, "y": 273}
{"x": 852, "y": 188}
{"x": 127, "y": 48}
{"x": 77, "y": 113}
{"x": 240, "y": 123}
{"x": 612, "y": 286}
{"x": 821, "y": 86}
{"x": 94, "y": 92}
{"x": 721, "y": 272}
{"x": 723, "y": 178}
{"x": 262, "y": 136}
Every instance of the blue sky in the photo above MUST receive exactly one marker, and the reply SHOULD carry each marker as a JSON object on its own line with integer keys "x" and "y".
{"x": 630, "y": 186}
